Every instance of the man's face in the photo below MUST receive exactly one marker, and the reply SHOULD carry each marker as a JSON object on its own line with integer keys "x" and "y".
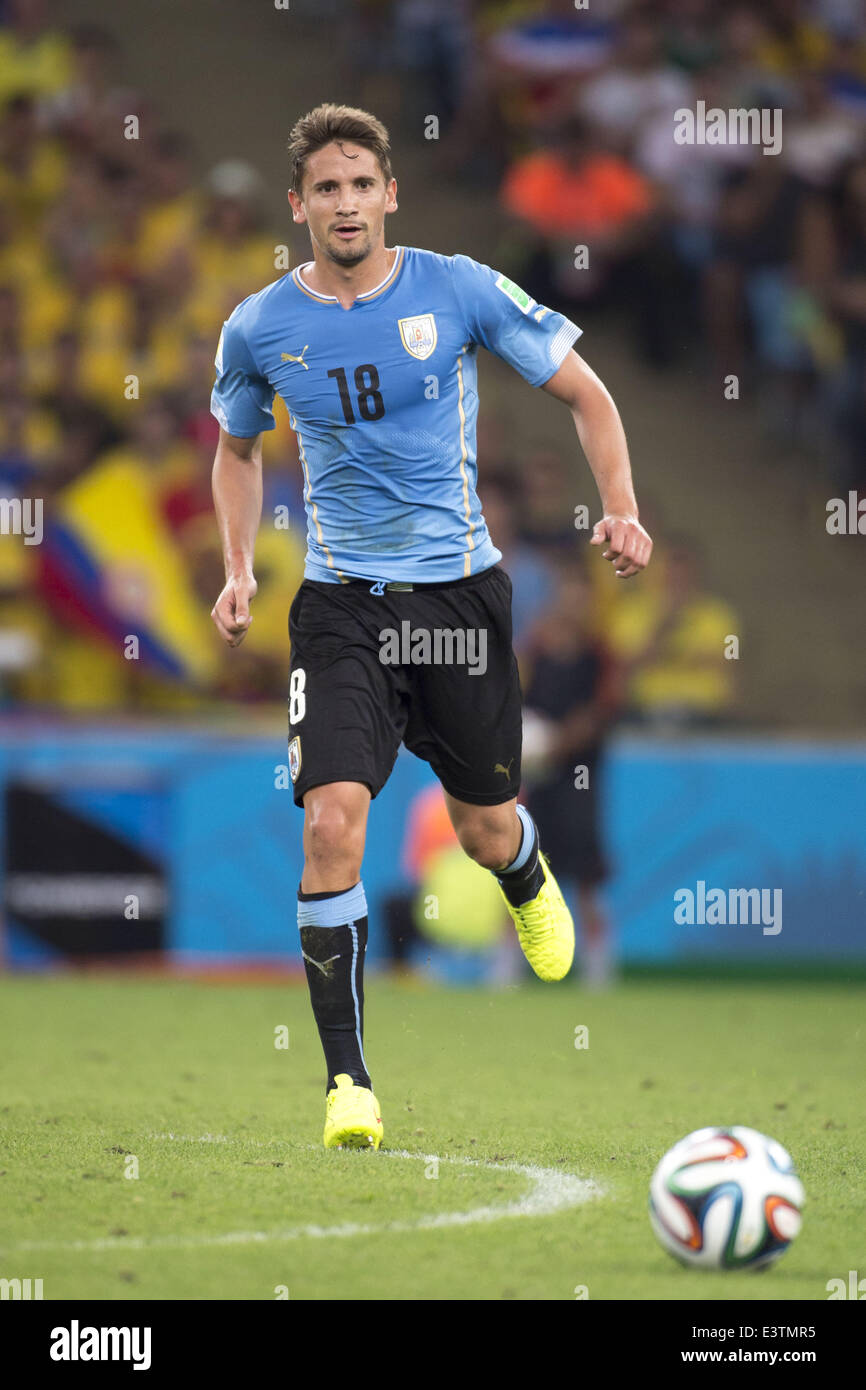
{"x": 344, "y": 201}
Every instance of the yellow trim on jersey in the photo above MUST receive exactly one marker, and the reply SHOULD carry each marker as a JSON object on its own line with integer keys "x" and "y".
{"x": 311, "y": 294}
{"x": 464, "y": 453}
{"x": 395, "y": 270}
{"x": 309, "y": 495}
{"x": 362, "y": 298}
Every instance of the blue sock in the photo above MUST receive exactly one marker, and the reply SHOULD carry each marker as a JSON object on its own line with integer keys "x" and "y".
{"x": 522, "y": 880}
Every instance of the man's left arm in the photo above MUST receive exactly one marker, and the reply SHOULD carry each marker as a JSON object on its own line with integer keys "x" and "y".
{"x": 602, "y": 437}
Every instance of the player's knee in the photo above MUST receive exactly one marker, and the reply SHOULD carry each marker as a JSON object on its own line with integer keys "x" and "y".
{"x": 335, "y": 835}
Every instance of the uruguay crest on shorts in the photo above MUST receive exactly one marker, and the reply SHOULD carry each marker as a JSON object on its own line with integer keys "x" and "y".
{"x": 419, "y": 335}
{"x": 295, "y": 758}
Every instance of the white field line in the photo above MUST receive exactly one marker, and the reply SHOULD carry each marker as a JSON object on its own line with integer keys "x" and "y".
{"x": 549, "y": 1192}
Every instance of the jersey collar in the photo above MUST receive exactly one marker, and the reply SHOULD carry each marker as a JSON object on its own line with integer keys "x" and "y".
{"x": 361, "y": 298}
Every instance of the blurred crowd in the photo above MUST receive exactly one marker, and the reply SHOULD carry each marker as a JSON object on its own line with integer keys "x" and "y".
{"x": 719, "y": 257}
{"x": 119, "y": 262}
{"x": 117, "y": 269}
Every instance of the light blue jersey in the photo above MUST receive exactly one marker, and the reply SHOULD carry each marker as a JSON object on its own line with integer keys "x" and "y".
{"x": 383, "y": 399}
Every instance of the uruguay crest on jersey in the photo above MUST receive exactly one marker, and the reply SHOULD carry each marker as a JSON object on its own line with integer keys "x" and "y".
{"x": 419, "y": 335}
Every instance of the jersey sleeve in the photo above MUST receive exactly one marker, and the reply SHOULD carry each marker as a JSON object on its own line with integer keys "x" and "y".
{"x": 507, "y": 321}
{"x": 242, "y": 400}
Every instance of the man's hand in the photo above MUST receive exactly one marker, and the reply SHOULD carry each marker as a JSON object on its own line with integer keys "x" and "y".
{"x": 629, "y": 545}
{"x": 231, "y": 612}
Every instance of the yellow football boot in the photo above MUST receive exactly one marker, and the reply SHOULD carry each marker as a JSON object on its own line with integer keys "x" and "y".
{"x": 545, "y": 929}
{"x": 352, "y": 1119}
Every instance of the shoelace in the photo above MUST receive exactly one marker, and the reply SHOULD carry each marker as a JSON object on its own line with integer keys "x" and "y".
{"x": 535, "y": 923}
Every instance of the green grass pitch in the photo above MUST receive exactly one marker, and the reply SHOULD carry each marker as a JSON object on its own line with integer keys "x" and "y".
{"x": 98, "y": 1074}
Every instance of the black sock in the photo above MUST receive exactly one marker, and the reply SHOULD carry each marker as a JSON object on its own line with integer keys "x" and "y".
{"x": 334, "y": 962}
{"x": 522, "y": 883}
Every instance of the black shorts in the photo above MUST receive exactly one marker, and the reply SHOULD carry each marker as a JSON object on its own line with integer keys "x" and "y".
{"x": 432, "y": 668}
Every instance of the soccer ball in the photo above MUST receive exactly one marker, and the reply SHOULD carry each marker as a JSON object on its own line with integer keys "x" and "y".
{"x": 726, "y": 1199}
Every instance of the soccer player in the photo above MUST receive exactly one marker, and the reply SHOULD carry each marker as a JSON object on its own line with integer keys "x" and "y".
{"x": 401, "y": 629}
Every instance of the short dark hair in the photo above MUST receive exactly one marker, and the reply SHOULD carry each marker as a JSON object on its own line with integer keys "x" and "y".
{"x": 327, "y": 123}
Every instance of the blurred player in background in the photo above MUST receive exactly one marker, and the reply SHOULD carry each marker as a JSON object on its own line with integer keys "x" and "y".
{"x": 570, "y": 695}
{"x": 374, "y": 351}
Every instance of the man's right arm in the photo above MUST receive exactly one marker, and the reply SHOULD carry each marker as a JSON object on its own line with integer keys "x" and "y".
{"x": 237, "y": 494}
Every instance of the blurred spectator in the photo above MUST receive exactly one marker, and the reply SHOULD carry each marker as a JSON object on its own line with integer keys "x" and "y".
{"x": 175, "y": 207}
{"x": 90, "y": 110}
{"x": 432, "y": 42}
{"x": 528, "y": 56}
{"x": 789, "y": 40}
{"x": 75, "y": 225}
{"x": 85, "y": 430}
{"x": 749, "y": 80}
{"x": 575, "y": 192}
{"x": 29, "y": 443}
{"x": 637, "y": 83}
{"x": 688, "y": 182}
{"x": 570, "y": 700}
{"x": 673, "y": 644}
{"x": 846, "y": 72}
{"x": 690, "y": 31}
{"x": 821, "y": 137}
{"x": 846, "y": 295}
{"x": 750, "y": 282}
{"x": 547, "y": 503}
{"x": 34, "y": 58}
{"x": 233, "y": 257}
{"x": 190, "y": 397}
{"x": 10, "y": 319}
{"x": 31, "y": 169}
{"x": 365, "y": 32}
{"x": 589, "y": 234}
{"x": 530, "y": 573}
{"x": 164, "y": 463}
